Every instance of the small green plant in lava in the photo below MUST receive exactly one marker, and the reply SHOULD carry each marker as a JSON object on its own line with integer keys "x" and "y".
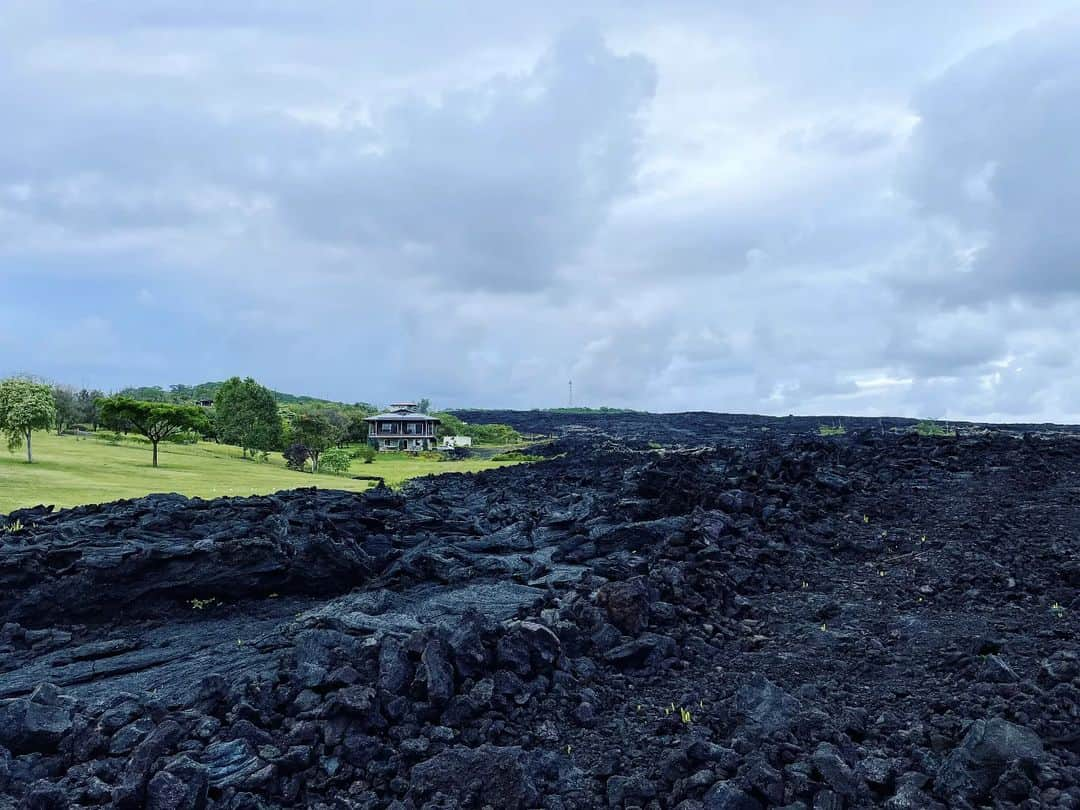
{"x": 831, "y": 430}
{"x": 928, "y": 427}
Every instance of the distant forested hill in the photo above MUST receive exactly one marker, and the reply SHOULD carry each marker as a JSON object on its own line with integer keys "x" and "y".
{"x": 207, "y": 390}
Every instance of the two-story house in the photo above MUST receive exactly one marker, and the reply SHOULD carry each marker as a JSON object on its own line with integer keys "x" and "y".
{"x": 402, "y": 427}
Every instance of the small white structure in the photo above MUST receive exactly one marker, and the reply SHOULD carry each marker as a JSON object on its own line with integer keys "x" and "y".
{"x": 453, "y": 442}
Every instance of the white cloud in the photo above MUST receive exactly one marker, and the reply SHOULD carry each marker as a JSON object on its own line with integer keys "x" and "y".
{"x": 686, "y": 206}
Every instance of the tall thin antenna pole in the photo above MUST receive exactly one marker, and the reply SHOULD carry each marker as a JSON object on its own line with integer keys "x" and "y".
{"x": 571, "y": 384}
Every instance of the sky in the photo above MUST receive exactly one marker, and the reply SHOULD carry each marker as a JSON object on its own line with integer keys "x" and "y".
{"x": 815, "y": 208}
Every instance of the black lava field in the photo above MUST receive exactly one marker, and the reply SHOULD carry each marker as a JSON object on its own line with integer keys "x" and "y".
{"x": 697, "y": 611}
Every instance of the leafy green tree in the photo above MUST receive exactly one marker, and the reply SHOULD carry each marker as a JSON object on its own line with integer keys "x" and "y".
{"x": 336, "y": 460}
{"x": 317, "y": 433}
{"x": 357, "y": 431}
{"x": 154, "y": 420}
{"x": 450, "y": 425}
{"x": 25, "y": 406}
{"x": 67, "y": 407}
{"x": 146, "y": 393}
{"x": 490, "y": 433}
{"x": 88, "y": 409}
{"x": 247, "y": 415}
{"x": 424, "y": 405}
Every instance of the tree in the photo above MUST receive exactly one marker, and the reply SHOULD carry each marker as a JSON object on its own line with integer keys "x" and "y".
{"x": 67, "y": 407}
{"x": 357, "y": 430}
{"x": 317, "y": 433}
{"x": 247, "y": 415}
{"x": 154, "y": 420}
{"x": 25, "y": 406}
{"x": 296, "y": 456}
{"x": 88, "y": 409}
{"x": 424, "y": 405}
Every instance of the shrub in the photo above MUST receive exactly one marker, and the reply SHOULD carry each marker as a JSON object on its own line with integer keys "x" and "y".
{"x": 296, "y": 456}
{"x": 930, "y": 428}
{"x": 335, "y": 460}
{"x": 516, "y": 455}
{"x": 184, "y": 437}
{"x": 365, "y": 453}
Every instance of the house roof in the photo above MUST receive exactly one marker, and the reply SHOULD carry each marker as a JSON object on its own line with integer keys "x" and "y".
{"x": 402, "y": 416}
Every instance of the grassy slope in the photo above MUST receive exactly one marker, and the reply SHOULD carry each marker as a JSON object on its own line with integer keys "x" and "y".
{"x": 69, "y": 471}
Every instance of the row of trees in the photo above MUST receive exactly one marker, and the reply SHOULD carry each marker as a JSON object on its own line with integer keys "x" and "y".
{"x": 76, "y": 407}
{"x": 244, "y": 413}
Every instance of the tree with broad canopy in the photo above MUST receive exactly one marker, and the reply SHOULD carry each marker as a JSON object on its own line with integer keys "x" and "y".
{"x": 154, "y": 420}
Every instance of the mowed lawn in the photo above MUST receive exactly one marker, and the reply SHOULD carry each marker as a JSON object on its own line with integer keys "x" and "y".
{"x": 69, "y": 471}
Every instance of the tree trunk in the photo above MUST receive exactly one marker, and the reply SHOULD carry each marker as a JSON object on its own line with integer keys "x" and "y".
{"x": 155, "y": 453}
{"x": 29, "y": 450}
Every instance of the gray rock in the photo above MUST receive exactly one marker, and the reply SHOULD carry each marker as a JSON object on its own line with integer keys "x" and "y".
{"x": 988, "y": 748}
{"x": 910, "y": 794}
{"x": 46, "y": 796}
{"x": 878, "y": 771}
{"x": 436, "y": 673}
{"x": 763, "y": 704}
{"x": 167, "y": 791}
{"x": 996, "y": 670}
{"x": 492, "y": 775}
{"x": 726, "y": 796}
{"x": 634, "y": 790}
{"x": 395, "y": 672}
{"x": 828, "y": 800}
{"x": 835, "y": 771}
{"x": 36, "y": 723}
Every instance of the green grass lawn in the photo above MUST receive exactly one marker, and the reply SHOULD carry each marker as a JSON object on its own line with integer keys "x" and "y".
{"x": 68, "y": 471}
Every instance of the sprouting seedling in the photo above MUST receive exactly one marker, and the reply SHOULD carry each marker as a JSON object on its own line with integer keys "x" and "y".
{"x": 865, "y": 518}
{"x": 824, "y": 627}
{"x": 881, "y": 573}
{"x": 14, "y": 526}
{"x": 1057, "y": 610}
{"x": 685, "y": 716}
{"x": 568, "y": 750}
{"x": 805, "y": 584}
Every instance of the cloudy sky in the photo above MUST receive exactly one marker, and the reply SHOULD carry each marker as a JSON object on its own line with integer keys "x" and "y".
{"x": 836, "y": 207}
